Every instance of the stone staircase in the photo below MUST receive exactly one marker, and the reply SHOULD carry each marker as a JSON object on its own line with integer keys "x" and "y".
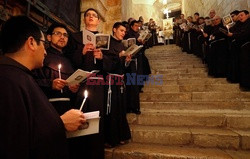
{"x": 188, "y": 116}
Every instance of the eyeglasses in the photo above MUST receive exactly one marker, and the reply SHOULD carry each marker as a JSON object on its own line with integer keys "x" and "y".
{"x": 58, "y": 33}
{"x": 92, "y": 15}
{"x": 45, "y": 43}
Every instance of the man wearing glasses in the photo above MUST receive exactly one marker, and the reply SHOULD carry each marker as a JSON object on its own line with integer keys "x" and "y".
{"x": 88, "y": 58}
{"x": 53, "y": 82}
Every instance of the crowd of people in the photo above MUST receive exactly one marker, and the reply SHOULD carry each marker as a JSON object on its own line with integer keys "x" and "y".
{"x": 222, "y": 42}
{"x": 38, "y": 105}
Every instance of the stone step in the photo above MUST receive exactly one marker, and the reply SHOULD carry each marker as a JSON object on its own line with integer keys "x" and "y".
{"x": 206, "y": 105}
{"x": 176, "y": 76}
{"x": 192, "y": 88}
{"x": 199, "y": 137}
{"x": 183, "y": 79}
{"x": 152, "y": 151}
{"x": 179, "y": 70}
{"x": 192, "y": 118}
{"x": 177, "y": 66}
{"x": 195, "y": 96}
{"x": 166, "y": 97}
{"x": 182, "y": 60}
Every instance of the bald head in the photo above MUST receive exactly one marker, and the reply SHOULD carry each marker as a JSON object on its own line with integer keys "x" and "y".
{"x": 212, "y": 13}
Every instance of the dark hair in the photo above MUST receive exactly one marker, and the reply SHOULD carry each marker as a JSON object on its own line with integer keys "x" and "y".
{"x": 201, "y": 18}
{"x": 235, "y": 12}
{"x": 133, "y": 22}
{"x": 92, "y": 9}
{"x": 117, "y": 25}
{"x": 125, "y": 23}
{"x": 245, "y": 11}
{"x": 55, "y": 25}
{"x": 130, "y": 20}
{"x": 197, "y": 14}
{"x": 16, "y": 31}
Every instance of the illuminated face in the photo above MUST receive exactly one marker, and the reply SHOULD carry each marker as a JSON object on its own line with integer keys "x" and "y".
{"x": 243, "y": 17}
{"x": 120, "y": 32}
{"x": 212, "y": 13}
{"x": 217, "y": 21}
{"x": 201, "y": 21}
{"x": 91, "y": 19}
{"x": 59, "y": 38}
{"x": 234, "y": 17}
{"x": 135, "y": 27}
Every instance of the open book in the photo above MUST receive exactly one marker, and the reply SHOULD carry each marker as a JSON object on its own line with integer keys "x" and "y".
{"x": 130, "y": 41}
{"x": 144, "y": 35}
{"x": 201, "y": 26}
{"x": 208, "y": 21}
{"x": 227, "y": 20}
{"x": 79, "y": 75}
{"x": 183, "y": 25}
{"x": 100, "y": 41}
{"x": 90, "y": 127}
{"x": 133, "y": 50}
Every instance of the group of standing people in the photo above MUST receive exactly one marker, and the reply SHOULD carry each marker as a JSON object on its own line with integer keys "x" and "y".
{"x": 223, "y": 47}
{"x": 35, "y": 124}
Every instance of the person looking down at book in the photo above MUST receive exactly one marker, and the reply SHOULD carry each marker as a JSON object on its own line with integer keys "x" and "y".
{"x": 31, "y": 127}
{"x": 57, "y": 68}
{"x": 116, "y": 125}
{"x": 52, "y": 77}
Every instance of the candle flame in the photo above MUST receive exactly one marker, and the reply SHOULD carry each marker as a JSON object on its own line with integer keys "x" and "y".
{"x": 85, "y": 94}
{"x": 59, "y": 66}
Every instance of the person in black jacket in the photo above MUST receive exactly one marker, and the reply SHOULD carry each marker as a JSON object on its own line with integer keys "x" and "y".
{"x": 31, "y": 127}
{"x": 89, "y": 58}
{"x": 116, "y": 125}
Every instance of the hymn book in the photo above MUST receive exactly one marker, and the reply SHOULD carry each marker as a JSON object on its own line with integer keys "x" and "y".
{"x": 133, "y": 50}
{"x": 144, "y": 35}
{"x": 100, "y": 41}
{"x": 227, "y": 20}
{"x": 208, "y": 22}
{"x": 130, "y": 41}
{"x": 91, "y": 126}
{"x": 183, "y": 25}
{"x": 78, "y": 76}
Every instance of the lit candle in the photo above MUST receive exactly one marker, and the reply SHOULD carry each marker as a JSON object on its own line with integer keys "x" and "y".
{"x": 83, "y": 101}
{"x": 59, "y": 72}
{"x": 227, "y": 27}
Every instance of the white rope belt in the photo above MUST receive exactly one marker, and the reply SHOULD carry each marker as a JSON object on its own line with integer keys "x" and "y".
{"x": 135, "y": 60}
{"x": 96, "y": 78}
{"x": 110, "y": 92}
{"x": 58, "y": 99}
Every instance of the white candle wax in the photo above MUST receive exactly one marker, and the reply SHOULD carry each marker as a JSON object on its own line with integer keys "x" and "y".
{"x": 59, "y": 70}
{"x": 85, "y": 97}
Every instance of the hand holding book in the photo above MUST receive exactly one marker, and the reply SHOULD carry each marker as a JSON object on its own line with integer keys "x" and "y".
{"x": 132, "y": 50}
{"x": 99, "y": 41}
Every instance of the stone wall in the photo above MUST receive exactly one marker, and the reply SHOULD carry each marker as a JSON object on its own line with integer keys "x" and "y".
{"x": 145, "y": 10}
{"x": 222, "y": 7}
